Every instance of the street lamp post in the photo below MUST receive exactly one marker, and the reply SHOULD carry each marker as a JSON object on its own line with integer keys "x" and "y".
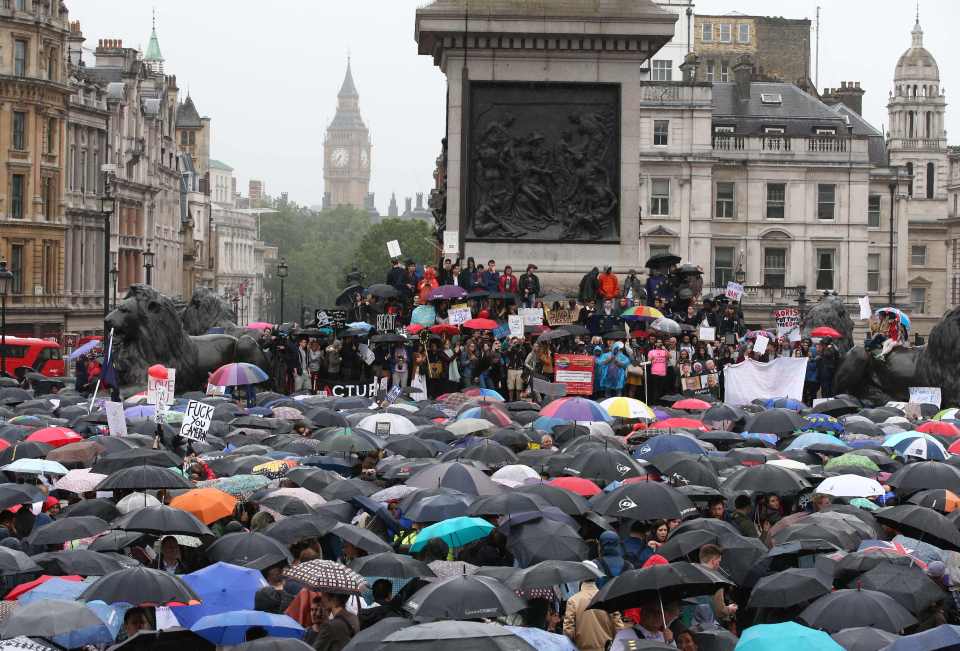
{"x": 282, "y": 270}
{"x": 107, "y": 206}
{"x": 236, "y": 313}
{"x": 114, "y": 277}
{"x": 6, "y": 279}
{"x": 148, "y": 262}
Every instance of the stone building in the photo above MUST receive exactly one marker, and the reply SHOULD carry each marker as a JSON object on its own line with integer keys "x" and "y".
{"x": 665, "y": 66}
{"x": 256, "y": 191}
{"x": 193, "y": 135}
{"x": 34, "y": 94}
{"x": 346, "y": 152}
{"x": 778, "y": 47}
{"x": 418, "y": 211}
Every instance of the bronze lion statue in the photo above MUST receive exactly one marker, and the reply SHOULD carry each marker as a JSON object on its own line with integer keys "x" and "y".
{"x": 147, "y": 330}
{"x": 206, "y": 310}
{"x": 830, "y": 311}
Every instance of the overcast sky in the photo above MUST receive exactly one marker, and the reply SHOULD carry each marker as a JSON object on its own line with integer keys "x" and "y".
{"x": 267, "y": 73}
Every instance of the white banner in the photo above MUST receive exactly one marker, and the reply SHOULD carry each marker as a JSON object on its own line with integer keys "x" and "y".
{"x": 116, "y": 421}
{"x": 925, "y": 395}
{"x": 749, "y": 380}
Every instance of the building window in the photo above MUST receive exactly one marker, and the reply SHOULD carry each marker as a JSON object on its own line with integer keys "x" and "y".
{"x": 743, "y": 33}
{"x": 707, "y": 33}
{"x": 660, "y": 197}
{"x": 51, "y": 135}
{"x": 873, "y": 211}
{"x": 183, "y": 137}
{"x": 19, "y": 130}
{"x": 825, "y": 268}
{"x": 72, "y": 167}
{"x": 724, "y": 71}
{"x": 918, "y": 299}
{"x": 918, "y": 255}
{"x": 776, "y": 200}
{"x": 910, "y": 179}
{"x": 774, "y": 267}
{"x": 661, "y": 132}
{"x": 21, "y": 5}
{"x": 16, "y": 267}
{"x": 52, "y": 65}
{"x": 931, "y": 179}
{"x": 19, "y": 57}
{"x": 662, "y": 70}
{"x": 51, "y": 261}
{"x": 659, "y": 249}
{"x": 16, "y": 195}
{"x": 826, "y": 200}
{"x": 711, "y": 70}
{"x": 722, "y": 265}
{"x": 725, "y": 199}
{"x": 46, "y": 195}
{"x": 873, "y": 272}
{"x": 193, "y": 137}
{"x": 726, "y": 29}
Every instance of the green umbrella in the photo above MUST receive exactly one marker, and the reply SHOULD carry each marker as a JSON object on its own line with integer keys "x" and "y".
{"x": 852, "y": 460}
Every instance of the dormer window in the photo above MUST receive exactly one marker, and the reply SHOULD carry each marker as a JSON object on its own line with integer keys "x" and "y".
{"x": 825, "y": 131}
{"x": 771, "y": 98}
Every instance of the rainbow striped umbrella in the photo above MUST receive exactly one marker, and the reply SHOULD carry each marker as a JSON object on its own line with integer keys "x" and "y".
{"x": 578, "y": 409}
{"x": 237, "y": 374}
{"x": 642, "y": 312}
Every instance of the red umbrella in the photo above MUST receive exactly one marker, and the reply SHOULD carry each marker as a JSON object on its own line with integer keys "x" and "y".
{"x": 481, "y": 324}
{"x": 939, "y": 427}
{"x": 578, "y": 485}
{"x": 414, "y": 328}
{"x": 30, "y": 585}
{"x": 825, "y": 331}
{"x": 691, "y": 404}
{"x": 446, "y": 329}
{"x": 55, "y": 436}
{"x": 680, "y": 423}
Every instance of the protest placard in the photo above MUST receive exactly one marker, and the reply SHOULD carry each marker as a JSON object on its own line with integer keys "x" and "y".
{"x": 161, "y": 391}
{"x": 393, "y": 248}
{"x": 760, "y": 345}
{"x": 160, "y": 415}
{"x": 708, "y": 334}
{"x": 393, "y": 394}
{"x": 459, "y": 314}
{"x": 196, "y": 421}
{"x": 116, "y": 421}
{"x": 532, "y": 316}
{"x": 576, "y": 372}
{"x": 214, "y": 390}
{"x": 516, "y": 325}
{"x": 734, "y": 291}
{"x": 451, "y": 242}
{"x": 929, "y": 395}
{"x": 786, "y": 318}
{"x": 865, "y": 309}
{"x": 560, "y": 317}
{"x": 366, "y": 354}
{"x": 334, "y": 318}
{"x": 386, "y": 323}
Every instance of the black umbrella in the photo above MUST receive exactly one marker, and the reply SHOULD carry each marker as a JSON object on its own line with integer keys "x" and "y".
{"x": 382, "y": 290}
{"x": 48, "y": 618}
{"x": 723, "y": 412}
{"x": 924, "y": 475}
{"x": 546, "y": 574}
{"x": 907, "y": 584}
{"x": 511, "y": 502}
{"x": 659, "y": 582}
{"x": 295, "y": 528}
{"x": 789, "y": 587}
{"x": 395, "y": 566}
{"x": 245, "y": 548}
{"x": 567, "y": 501}
{"x": 348, "y": 440}
{"x": 493, "y": 454}
{"x": 778, "y": 421}
{"x": 850, "y": 608}
{"x": 162, "y": 520}
{"x": 116, "y": 541}
{"x": 371, "y": 638}
{"x": 81, "y": 561}
{"x": 24, "y": 450}
{"x": 458, "y": 476}
{"x": 553, "y": 335}
{"x": 662, "y": 260}
{"x": 546, "y": 540}
{"x": 141, "y": 478}
{"x": 603, "y": 464}
{"x": 409, "y": 446}
{"x": 344, "y": 489}
{"x": 361, "y": 538}
{"x": 313, "y": 479}
{"x": 680, "y": 546}
{"x": 173, "y": 639}
{"x": 442, "y": 636}
{"x": 864, "y": 638}
{"x": 284, "y": 504}
{"x": 110, "y": 463}
{"x": 434, "y": 508}
{"x": 463, "y": 597}
{"x": 765, "y": 478}
{"x": 645, "y": 500}
{"x": 101, "y": 508}
{"x": 682, "y": 467}
{"x": 837, "y": 407}
{"x": 14, "y": 562}
{"x": 60, "y": 531}
{"x": 14, "y": 494}
{"x": 923, "y": 523}
{"x": 717, "y": 639}
{"x": 140, "y": 585}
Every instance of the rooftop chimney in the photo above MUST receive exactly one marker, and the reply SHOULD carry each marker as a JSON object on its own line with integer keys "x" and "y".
{"x": 742, "y": 73}
{"x": 689, "y": 67}
{"x": 408, "y": 205}
{"x": 849, "y": 94}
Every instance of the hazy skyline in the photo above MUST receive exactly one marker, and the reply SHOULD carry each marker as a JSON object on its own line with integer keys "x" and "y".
{"x": 268, "y": 74}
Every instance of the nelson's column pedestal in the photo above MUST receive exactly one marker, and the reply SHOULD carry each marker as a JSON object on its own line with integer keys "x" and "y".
{"x": 542, "y": 148}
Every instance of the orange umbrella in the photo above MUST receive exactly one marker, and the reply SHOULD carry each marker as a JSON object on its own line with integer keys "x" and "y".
{"x": 208, "y": 504}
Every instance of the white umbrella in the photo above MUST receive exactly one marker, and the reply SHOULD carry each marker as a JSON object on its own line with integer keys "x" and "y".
{"x": 136, "y": 501}
{"x": 597, "y": 427}
{"x": 514, "y": 475}
{"x": 307, "y": 497}
{"x": 35, "y": 467}
{"x": 850, "y": 486}
{"x": 469, "y": 426}
{"x": 789, "y": 464}
{"x": 79, "y": 481}
{"x": 387, "y": 424}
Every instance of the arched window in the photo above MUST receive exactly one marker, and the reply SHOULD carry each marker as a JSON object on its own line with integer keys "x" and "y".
{"x": 931, "y": 178}
{"x": 910, "y": 180}
{"x": 914, "y": 90}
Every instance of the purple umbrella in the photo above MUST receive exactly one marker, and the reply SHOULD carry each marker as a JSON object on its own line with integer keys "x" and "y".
{"x": 237, "y": 374}
{"x": 140, "y": 411}
{"x": 446, "y": 293}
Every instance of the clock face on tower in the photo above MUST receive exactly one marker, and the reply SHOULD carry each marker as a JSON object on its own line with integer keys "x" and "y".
{"x": 340, "y": 157}
{"x": 364, "y": 159}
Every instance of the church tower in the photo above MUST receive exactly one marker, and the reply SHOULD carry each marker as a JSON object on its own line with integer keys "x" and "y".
{"x": 917, "y": 139}
{"x": 346, "y": 151}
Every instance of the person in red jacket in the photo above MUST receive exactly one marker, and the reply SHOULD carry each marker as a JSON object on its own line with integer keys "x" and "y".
{"x": 428, "y": 284}
{"x": 508, "y": 282}
{"x": 609, "y": 285}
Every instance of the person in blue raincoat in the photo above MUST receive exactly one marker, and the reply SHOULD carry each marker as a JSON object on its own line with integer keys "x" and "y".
{"x": 612, "y": 367}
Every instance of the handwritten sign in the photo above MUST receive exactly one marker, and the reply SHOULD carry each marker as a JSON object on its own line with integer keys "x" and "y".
{"x": 929, "y": 395}
{"x": 451, "y": 242}
{"x": 532, "y": 316}
{"x": 560, "y": 317}
{"x": 734, "y": 291}
{"x": 760, "y": 345}
{"x": 161, "y": 391}
{"x": 196, "y": 421}
{"x": 335, "y": 319}
{"x": 786, "y": 318}
{"x": 708, "y": 334}
{"x": 116, "y": 421}
{"x": 459, "y": 314}
{"x": 160, "y": 415}
{"x": 386, "y": 323}
{"x": 865, "y": 309}
{"x": 366, "y": 354}
{"x": 393, "y": 248}
{"x": 516, "y": 325}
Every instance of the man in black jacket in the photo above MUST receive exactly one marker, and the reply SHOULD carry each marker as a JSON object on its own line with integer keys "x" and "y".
{"x": 396, "y": 277}
{"x": 529, "y": 286}
{"x": 589, "y": 285}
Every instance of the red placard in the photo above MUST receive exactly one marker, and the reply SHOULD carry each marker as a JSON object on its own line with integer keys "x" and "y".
{"x": 576, "y": 372}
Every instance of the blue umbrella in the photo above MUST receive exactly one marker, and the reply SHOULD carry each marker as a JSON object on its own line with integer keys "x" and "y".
{"x": 231, "y": 627}
{"x": 822, "y": 423}
{"x": 57, "y": 588}
{"x": 664, "y": 443}
{"x": 787, "y": 635}
{"x": 807, "y": 439}
{"x": 546, "y": 424}
{"x": 785, "y": 403}
{"x": 222, "y": 588}
{"x": 84, "y": 349}
{"x": 361, "y": 325}
{"x": 769, "y": 438}
{"x": 542, "y": 640}
{"x": 945, "y": 636}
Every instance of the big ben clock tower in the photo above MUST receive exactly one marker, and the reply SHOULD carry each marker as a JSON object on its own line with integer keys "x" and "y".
{"x": 346, "y": 151}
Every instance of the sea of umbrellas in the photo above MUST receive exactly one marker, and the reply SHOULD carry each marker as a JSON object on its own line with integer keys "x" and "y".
{"x": 852, "y": 571}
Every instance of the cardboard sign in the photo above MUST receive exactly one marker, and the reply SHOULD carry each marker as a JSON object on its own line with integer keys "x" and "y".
{"x": 788, "y": 317}
{"x": 560, "y": 317}
{"x": 760, "y": 345}
{"x": 386, "y": 323}
{"x": 116, "y": 421}
{"x": 930, "y": 395}
{"x": 516, "y": 325}
{"x": 393, "y": 248}
{"x": 196, "y": 421}
{"x": 708, "y": 334}
{"x": 459, "y": 314}
{"x": 451, "y": 242}
{"x": 160, "y": 415}
{"x": 367, "y": 354}
{"x": 335, "y": 319}
{"x": 214, "y": 390}
{"x": 383, "y": 428}
{"x": 865, "y": 309}
{"x": 734, "y": 291}
{"x": 161, "y": 391}
{"x": 532, "y": 316}
{"x": 576, "y": 372}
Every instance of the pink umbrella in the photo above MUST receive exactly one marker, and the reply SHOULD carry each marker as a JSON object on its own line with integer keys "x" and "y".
{"x": 258, "y": 325}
